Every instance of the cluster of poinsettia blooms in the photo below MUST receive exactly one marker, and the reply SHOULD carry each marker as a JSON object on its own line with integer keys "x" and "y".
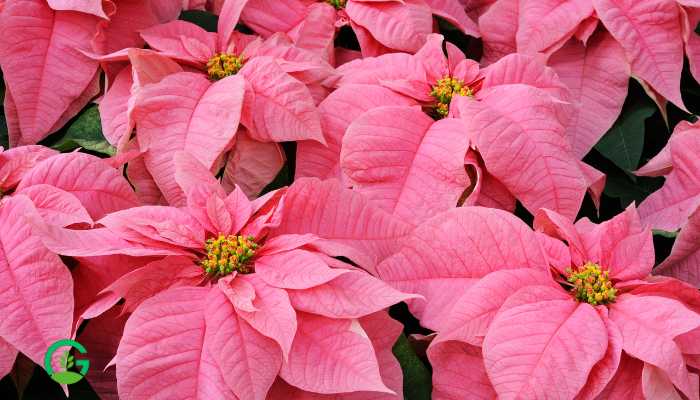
{"x": 187, "y": 283}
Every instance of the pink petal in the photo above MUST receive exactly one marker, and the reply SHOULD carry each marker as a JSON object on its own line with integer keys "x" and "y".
{"x": 153, "y": 278}
{"x": 338, "y": 111}
{"x": 473, "y": 239}
{"x": 651, "y": 35}
{"x": 498, "y": 26}
{"x": 317, "y": 31}
{"x": 93, "y": 7}
{"x": 101, "y": 337}
{"x": 182, "y": 40}
{"x": 56, "y": 206}
{"x": 43, "y": 66}
{"x": 518, "y": 68}
{"x": 150, "y": 67}
{"x": 458, "y": 372}
{"x": 252, "y": 165}
{"x": 400, "y": 26}
{"x": 124, "y": 26}
{"x": 469, "y": 319}
{"x": 145, "y": 187}
{"x": 37, "y": 300}
{"x": 273, "y": 316}
{"x": 251, "y": 360}
{"x": 331, "y": 356}
{"x": 405, "y": 163}
{"x": 453, "y": 12}
{"x": 295, "y": 269}
{"x": 669, "y": 207}
{"x": 228, "y": 18}
{"x": 351, "y": 295}
{"x": 692, "y": 45}
{"x": 648, "y": 325}
{"x": 266, "y": 18}
{"x": 285, "y": 110}
{"x": 113, "y": 108}
{"x": 604, "y": 371}
{"x": 527, "y": 344}
{"x": 597, "y": 76}
{"x": 346, "y": 223}
{"x": 656, "y": 385}
{"x": 165, "y": 345}
{"x": 185, "y": 111}
{"x": 684, "y": 261}
{"x": 156, "y": 226}
{"x": 536, "y": 150}
{"x": 8, "y": 355}
{"x": 627, "y": 382}
{"x": 17, "y": 161}
{"x": 544, "y": 23}
{"x": 100, "y": 188}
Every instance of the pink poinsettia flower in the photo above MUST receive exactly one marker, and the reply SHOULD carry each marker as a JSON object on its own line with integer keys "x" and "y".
{"x": 194, "y": 91}
{"x": 535, "y": 318}
{"x": 669, "y": 207}
{"x": 380, "y": 26}
{"x": 46, "y": 94}
{"x": 40, "y": 186}
{"x": 595, "y": 46}
{"x": 250, "y": 304}
{"x": 454, "y": 160}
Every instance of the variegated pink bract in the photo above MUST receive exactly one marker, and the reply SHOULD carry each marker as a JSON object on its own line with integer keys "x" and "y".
{"x": 380, "y": 26}
{"x": 548, "y": 321}
{"x": 49, "y": 79}
{"x": 233, "y": 304}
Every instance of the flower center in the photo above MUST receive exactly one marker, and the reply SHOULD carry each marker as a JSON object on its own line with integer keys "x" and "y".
{"x": 591, "y": 284}
{"x": 222, "y": 65}
{"x": 226, "y": 254}
{"x": 338, "y": 4}
{"x": 444, "y": 90}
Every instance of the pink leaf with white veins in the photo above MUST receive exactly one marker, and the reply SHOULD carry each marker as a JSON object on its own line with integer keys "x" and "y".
{"x": 597, "y": 76}
{"x": 43, "y": 65}
{"x": 165, "y": 354}
{"x": 458, "y": 372}
{"x": 182, "y": 40}
{"x": 650, "y": 33}
{"x": 669, "y": 207}
{"x": 37, "y": 289}
{"x": 251, "y": 360}
{"x": 529, "y": 344}
{"x": 692, "y": 45}
{"x": 17, "y": 161}
{"x": 498, "y": 26}
{"x": 295, "y": 269}
{"x": 56, "y": 206}
{"x": 89, "y": 7}
{"x": 338, "y": 111}
{"x": 453, "y": 11}
{"x": 332, "y": 356}
{"x": 648, "y": 325}
{"x": 543, "y": 23}
{"x": 656, "y": 385}
{"x": 344, "y": 220}
{"x": 350, "y": 295}
{"x": 604, "y": 371}
{"x": 100, "y": 188}
{"x": 283, "y": 109}
{"x": 228, "y": 19}
{"x": 684, "y": 261}
{"x": 523, "y": 146}
{"x": 252, "y": 165}
{"x": 476, "y": 238}
{"x": 403, "y": 161}
{"x": 185, "y": 111}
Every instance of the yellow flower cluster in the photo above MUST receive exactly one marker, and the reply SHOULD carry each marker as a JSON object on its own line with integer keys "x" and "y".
{"x": 226, "y": 254}
{"x": 591, "y": 284}
{"x": 222, "y": 65}
{"x": 443, "y": 92}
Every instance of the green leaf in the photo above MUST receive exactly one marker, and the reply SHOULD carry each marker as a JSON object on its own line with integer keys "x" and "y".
{"x": 624, "y": 142}
{"x": 417, "y": 383}
{"x": 629, "y": 188}
{"x": 85, "y": 132}
{"x": 203, "y": 19}
{"x": 666, "y": 234}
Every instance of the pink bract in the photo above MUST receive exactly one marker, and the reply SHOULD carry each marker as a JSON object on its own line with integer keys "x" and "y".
{"x": 286, "y": 310}
{"x": 519, "y": 304}
{"x": 49, "y": 93}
